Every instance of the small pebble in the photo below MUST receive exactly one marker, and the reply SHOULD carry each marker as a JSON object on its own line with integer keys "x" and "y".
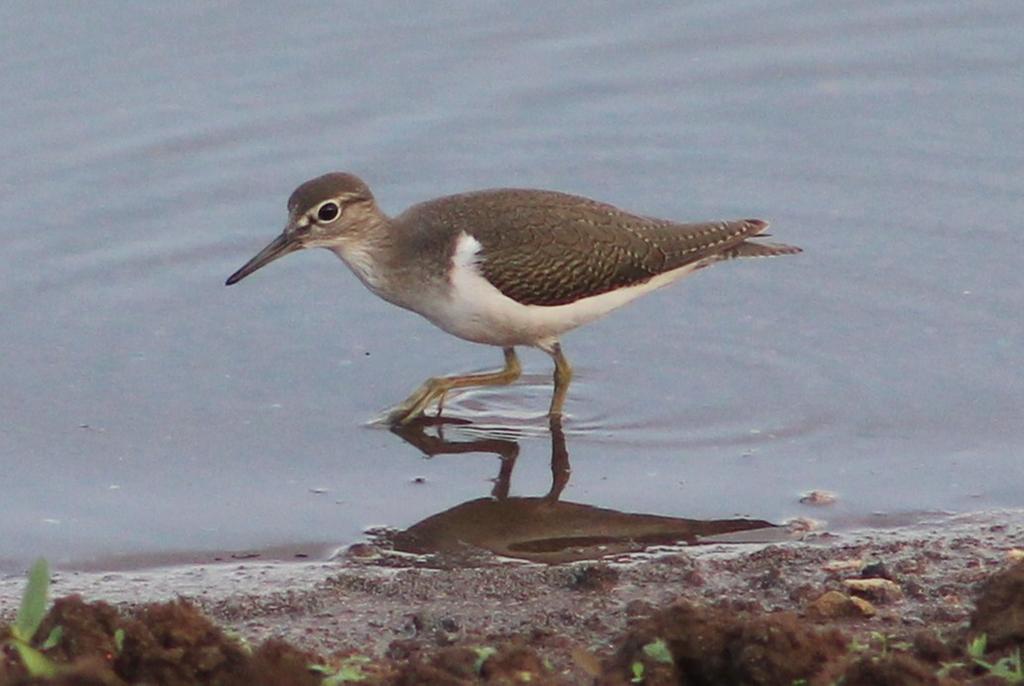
{"x": 878, "y": 590}
{"x": 818, "y": 498}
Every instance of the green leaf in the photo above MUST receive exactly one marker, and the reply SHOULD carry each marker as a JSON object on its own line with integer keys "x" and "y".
{"x": 350, "y": 670}
{"x": 33, "y": 602}
{"x": 978, "y": 646}
{"x": 1009, "y": 669}
{"x": 345, "y": 675}
{"x": 658, "y": 651}
{"x": 53, "y": 640}
{"x": 987, "y": 666}
{"x": 37, "y": 664}
{"x": 119, "y": 640}
{"x": 1002, "y": 668}
{"x": 638, "y": 673}
{"x": 857, "y": 647}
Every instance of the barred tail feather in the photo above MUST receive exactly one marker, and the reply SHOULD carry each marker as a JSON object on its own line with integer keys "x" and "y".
{"x": 752, "y": 249}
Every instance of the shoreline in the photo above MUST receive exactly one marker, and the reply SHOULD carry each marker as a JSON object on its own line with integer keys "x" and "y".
{"x": 396, "y": 606}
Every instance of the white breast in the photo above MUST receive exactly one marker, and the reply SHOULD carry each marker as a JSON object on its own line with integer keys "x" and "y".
{"x": 477, "y": 311}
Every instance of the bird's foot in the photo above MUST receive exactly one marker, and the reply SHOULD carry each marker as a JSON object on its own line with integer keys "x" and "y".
{"x": 435, "y": 390}
{"x": 432, "y": 390}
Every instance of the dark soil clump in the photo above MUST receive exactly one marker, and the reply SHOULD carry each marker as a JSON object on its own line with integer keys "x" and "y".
{"x": 1000, "y": 608}
{"x": 717, "y": 646}
{"x": 896, "y": 669}
{"x": 161, "y": 643}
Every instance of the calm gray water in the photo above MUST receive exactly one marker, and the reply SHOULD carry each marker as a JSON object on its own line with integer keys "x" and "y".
{"x": 147, "y": 152}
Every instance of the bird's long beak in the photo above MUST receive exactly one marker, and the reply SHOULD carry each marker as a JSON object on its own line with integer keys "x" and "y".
{"x": 279, "y": 247}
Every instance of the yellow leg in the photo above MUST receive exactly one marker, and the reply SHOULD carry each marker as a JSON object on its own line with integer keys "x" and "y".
{"x": 563, "y": 375}
{"x": 435, "y": 389}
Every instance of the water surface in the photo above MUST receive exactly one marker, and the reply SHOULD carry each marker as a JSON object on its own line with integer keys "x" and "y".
{"x": 148, "y": 153}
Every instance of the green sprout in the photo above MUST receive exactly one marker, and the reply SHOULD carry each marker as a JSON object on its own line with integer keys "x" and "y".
{"x": 638, "y": 673}
{"x": 1010, "y": 668}
{"x": 977, "y": 648}
{"x": 658, "y": 651}
{"x": 30, "y": 616}
{"x": 350, "y": 669}
{"x": 483, "y": 653}
{"x": 857, "y": 647}
{"x": 887, "y": 645}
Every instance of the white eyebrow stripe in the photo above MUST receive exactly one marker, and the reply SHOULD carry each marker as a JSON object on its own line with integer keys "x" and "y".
{"x": 339, "y": 200}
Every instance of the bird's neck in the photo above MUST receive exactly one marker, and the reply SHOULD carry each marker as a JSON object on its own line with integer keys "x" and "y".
{"x": 368, "y": 252}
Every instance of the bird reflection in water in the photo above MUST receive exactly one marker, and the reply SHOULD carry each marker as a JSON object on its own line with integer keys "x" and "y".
{"x": 545, "y": 528}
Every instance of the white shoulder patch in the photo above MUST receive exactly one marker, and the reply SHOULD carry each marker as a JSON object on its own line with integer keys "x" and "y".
{"x": 467, "y": 252}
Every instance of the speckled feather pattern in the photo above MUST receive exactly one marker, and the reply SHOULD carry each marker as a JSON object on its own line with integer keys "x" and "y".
{"x": 548, "y": 248}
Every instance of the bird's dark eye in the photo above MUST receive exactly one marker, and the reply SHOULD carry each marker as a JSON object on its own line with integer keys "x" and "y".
{"x": 328, "y": 212}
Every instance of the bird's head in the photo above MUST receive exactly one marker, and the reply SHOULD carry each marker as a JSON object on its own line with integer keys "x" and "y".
{"x": 324, "y": 212}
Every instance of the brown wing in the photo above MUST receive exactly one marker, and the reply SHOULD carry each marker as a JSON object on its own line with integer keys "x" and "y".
{"x": 545, "y": 248}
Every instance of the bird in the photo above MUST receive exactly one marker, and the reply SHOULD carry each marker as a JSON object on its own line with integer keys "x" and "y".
{"x": 505, "y": 267}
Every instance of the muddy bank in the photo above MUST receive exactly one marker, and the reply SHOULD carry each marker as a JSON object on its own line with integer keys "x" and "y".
{"x": 881, "y": 607}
